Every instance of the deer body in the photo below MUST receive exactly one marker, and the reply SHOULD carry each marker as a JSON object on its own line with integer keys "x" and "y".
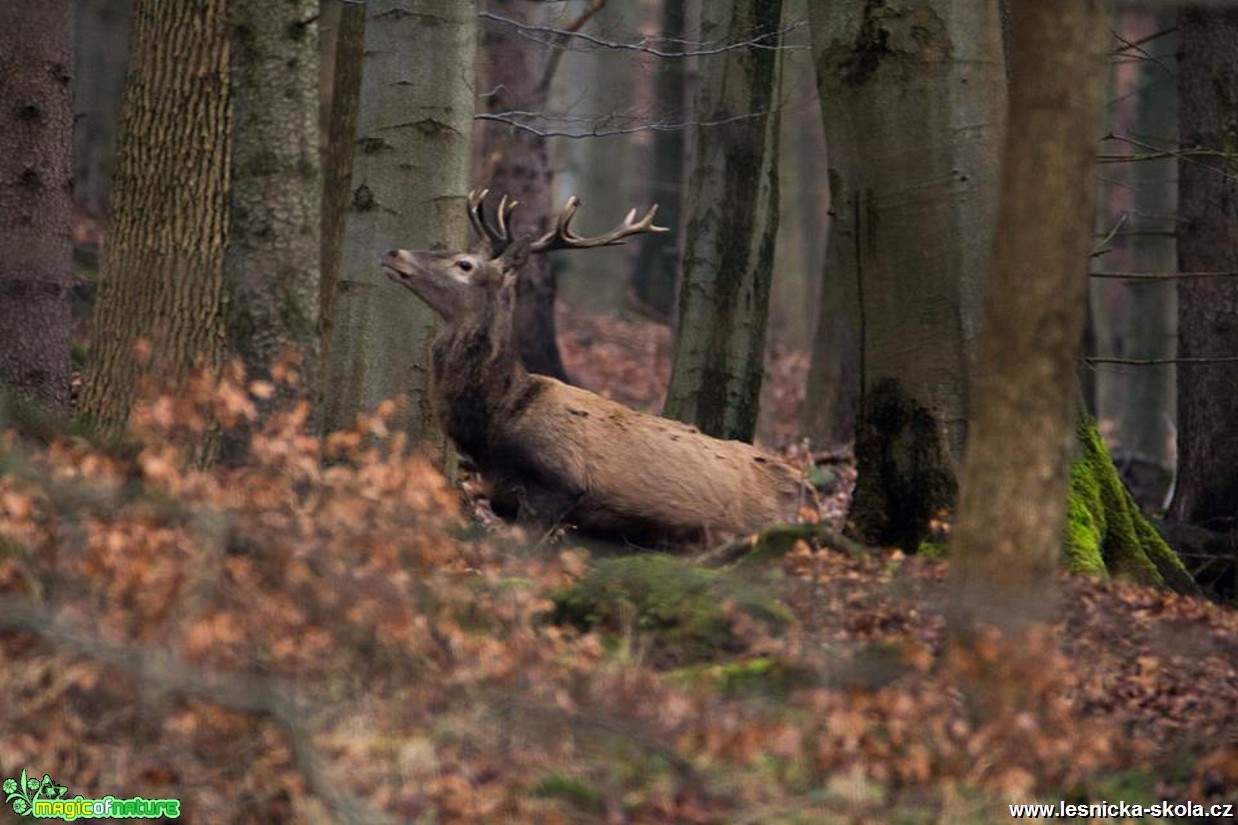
{"x": 566, "y": 454}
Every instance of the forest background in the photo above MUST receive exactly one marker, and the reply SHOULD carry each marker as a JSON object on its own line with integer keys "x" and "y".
{"x": 243, "y": 578}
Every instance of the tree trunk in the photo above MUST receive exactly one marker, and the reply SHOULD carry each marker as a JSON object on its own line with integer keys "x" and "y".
{"x": 409, "y": 176}
{"x": 514, "y": 162}
{"x": 609, "y": 173}
{"x": 913, "y": 101}
{"x": 271, "y": 263}
{"x": 1144, "y": 424}
{"x": 36, "y": 157}
{"x": 341, "y": 140}
{"x": 717, "y": 364}
{"x": 833, "y": 381}
{"x": 162, "y": 268}
{"x": 1207, "y": 489}
{"x": 656, "y": 270}
{"x": 98, "y": 85}
{"x": 1013, "y": 485}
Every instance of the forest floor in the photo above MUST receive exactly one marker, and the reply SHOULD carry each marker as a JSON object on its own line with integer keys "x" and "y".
{"x": 292, "y": 642}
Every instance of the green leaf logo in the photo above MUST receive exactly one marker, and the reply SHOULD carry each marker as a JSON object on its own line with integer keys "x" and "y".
{"x": 22, "y": 792}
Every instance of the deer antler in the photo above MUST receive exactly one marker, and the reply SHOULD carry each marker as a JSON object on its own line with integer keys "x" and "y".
{"x": 562, "y": 236}
{"x": 498, "y": 236}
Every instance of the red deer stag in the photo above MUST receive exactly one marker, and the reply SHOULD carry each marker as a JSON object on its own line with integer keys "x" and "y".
{"x": 559, "y": 452}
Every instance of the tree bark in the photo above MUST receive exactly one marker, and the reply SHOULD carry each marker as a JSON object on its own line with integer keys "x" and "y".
{"x": 1144, "y": 423}
{"x": 1207, "y": 489}
{"x": 271, "y": 264}
{"x": 341, "y": 140}
{"x": 162, "y": 275}
{"x": 656, "y": 273}
{"x": 409, "y": 176}
{"x": 829, "y": 415}
{"x": 99, "y": 84}
{"x": 913, "y": 101}
{"x": 1013, "y": 485}
{"x": 36, "y": 156}
{"x": 717, "y": 364}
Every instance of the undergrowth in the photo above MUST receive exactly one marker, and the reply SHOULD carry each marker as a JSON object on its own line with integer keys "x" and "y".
{"x": 309, "y": 637}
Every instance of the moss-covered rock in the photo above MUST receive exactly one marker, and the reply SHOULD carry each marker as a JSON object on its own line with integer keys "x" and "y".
{"x": 680, "y": 609}
{"x": 1105, "y": 531}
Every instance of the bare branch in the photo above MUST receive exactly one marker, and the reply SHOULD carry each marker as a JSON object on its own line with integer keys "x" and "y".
{"x": 542, "y": 90}
{"x": 598, "y": 131}
{"x": 1150, "y": 362}
{"x": 1142, "y": 53}
{"x": 1102, "y": 246}
{"x": 1162, "y": 276}
{"x": 1185, "y": 155}
{"x": 552, "y": 36}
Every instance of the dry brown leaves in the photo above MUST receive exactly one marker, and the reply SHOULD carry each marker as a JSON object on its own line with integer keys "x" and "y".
{"x": 307, "y": 636}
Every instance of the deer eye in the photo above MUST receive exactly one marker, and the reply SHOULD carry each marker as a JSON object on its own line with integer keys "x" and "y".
{"x": 464, "y": 265}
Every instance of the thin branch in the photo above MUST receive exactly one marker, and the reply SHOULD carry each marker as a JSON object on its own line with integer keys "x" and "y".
{"x": 1143, "y": 53}
{"x": 565, "y": 35}
{"x": 1143, "y": 41}
{"x": 1185, "y": 155}
{"x": 657, "y": 126}
{"x": 542, "y": 91}
{"x": 1162, "y": 276}
{"x": 1151, "y": 362}
{"x": 1102, "y": 246}
{"x": 1166, "y": 153}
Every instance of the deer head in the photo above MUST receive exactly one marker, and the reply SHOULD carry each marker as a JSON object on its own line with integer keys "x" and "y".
{"x": 453, "y": 283}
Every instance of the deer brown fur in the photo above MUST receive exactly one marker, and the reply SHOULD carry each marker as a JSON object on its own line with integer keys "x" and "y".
{"x": 563, "y": 453}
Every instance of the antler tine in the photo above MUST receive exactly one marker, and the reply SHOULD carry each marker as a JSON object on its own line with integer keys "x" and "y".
{"x": 476, "y": 220}
{"x": 497, "y": 238}
{"x": 506, "y": 207}
{"x": 562, "y": 236}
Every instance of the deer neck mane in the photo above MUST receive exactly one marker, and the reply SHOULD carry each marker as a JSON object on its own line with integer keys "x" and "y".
{"x": 479, "y": 381}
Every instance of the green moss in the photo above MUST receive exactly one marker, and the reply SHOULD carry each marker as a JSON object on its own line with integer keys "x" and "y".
{"x": 1105, "y": 531}
{"x": 773, "y": 544}
{"x": 677, "y": 607}
{"x": 931, "y": 549}
{"x": 570, "y": 790}
{"x": 762, "y": 676}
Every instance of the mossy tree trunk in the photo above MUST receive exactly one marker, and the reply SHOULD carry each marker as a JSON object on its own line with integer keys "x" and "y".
{"x": 717, "y": 364}
{"x": 271, "y": 264}
{"x": 1013, "y": 483}
{"x": 409, "y": 180}
{"x": 1106, "y": 533}
{"x": 36, "y": 158}
{"x": 913, "y": 102}
{"x": 162, "y": 274}
{"x": 1207, "y": 489}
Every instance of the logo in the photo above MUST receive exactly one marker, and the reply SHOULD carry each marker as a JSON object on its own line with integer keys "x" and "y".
{"x": 44, "y": 799}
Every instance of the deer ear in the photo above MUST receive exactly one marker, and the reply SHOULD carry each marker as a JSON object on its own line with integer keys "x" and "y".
{"x": 515, "y": 256}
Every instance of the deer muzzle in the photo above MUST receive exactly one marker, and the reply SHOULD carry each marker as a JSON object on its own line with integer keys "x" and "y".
{"x": 398, "y": 264}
